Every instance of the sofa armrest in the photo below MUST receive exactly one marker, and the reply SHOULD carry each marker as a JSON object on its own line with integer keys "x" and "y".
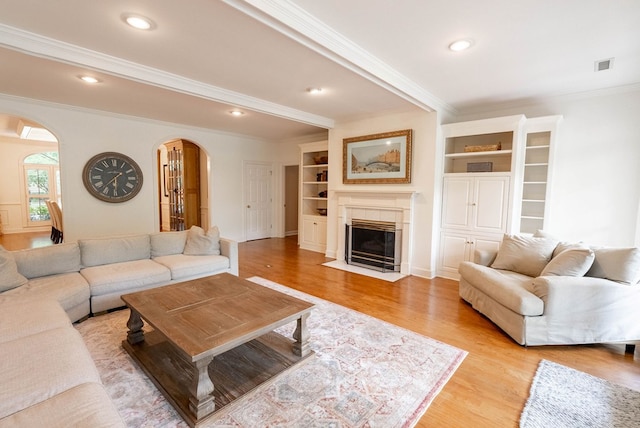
{"x": 229, "y": 248}
{"x": 579, "y": 298}
{"x": 484, "y": 257}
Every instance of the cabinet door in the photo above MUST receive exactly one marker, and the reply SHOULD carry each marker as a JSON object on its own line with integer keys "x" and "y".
{"x": 453, "y": 251}
{"x": 484, "y": 244}
{"x": 456, "y": 202}
{"x": 491, "y": 196}
{"x": 308, "y": 232}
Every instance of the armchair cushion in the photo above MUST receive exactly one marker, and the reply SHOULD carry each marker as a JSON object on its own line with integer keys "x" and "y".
{"x": 569, "y": 260}
{"x": 527, "y": 255}
{"x": 617, "y": 264}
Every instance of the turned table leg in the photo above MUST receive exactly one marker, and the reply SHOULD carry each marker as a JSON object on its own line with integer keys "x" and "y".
{"x": 301, "y": 335}
{"x": 201, "y": 389}
{"x": 135, "y": 333}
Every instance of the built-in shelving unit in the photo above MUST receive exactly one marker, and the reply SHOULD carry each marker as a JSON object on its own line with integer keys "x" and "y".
{"x": 314, "y": 178}
{"x": 536, "y": 176}
{"x": 457, "y": 160}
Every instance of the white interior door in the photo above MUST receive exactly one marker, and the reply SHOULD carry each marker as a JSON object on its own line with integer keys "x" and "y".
{"x": 258, "y": 200}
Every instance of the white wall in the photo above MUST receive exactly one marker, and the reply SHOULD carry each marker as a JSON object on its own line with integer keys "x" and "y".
{"x": 423, "y": 181}
{"x": 83, "y": 133}
{"x": 596, "y": 177}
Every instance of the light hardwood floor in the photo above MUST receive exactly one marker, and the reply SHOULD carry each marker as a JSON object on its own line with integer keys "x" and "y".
{"x": 490, "y": 387}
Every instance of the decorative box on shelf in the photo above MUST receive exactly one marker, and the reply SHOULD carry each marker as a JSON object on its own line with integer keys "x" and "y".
{"x": 479, "y": 166}
{"x": 483, "y": 148}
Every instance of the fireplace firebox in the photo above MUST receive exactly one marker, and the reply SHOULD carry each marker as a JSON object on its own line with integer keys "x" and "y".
{"x": 373, "y": 244}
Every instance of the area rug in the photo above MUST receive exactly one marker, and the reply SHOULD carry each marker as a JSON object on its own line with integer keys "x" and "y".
{"x": 563, "y": 397}
{"x": 365, "y": 373}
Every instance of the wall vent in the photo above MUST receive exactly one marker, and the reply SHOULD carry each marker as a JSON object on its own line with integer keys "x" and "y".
{"x": 603, "y": 64}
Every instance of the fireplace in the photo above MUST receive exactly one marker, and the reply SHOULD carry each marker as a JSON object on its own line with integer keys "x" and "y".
{"x": 373, "y": 244}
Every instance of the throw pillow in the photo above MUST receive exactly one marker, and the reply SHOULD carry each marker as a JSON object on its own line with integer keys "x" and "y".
{"x": 524, "y": 254}
{"x": 569, "y": 260}
{"x": 9, "y": 275}
{"x": 617, "y": 264}
{"x": 200, "y": 243}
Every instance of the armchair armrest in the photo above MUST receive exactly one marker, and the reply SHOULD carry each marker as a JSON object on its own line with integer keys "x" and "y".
{"x": 229, "y": 248}
{"x": 579, "y": 298}
{"x": 484, "y": 257}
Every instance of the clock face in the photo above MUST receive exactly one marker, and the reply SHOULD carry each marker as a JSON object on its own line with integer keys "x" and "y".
{"x": 112, "y": 177}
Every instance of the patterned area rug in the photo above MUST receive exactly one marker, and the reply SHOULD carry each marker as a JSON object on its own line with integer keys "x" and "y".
{"x": 365, "y": 373}
{"x": 563, "y": 397}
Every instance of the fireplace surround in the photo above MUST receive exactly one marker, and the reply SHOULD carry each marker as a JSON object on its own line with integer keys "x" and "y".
{"x": 382, "y": 206}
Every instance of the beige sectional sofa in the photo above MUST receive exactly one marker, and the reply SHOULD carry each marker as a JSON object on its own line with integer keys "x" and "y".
{"x": 90, "y": 275}
{"x": 544, "y": 292}
{"x": 47, "y": 376}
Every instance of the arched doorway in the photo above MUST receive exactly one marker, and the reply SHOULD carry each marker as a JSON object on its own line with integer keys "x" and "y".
{"x": 30, "y": 172}
{"x": 183, "y": 188}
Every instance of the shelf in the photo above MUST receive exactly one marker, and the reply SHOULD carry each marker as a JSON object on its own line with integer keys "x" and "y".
{"x": 314, "y": 182}
{"x": 314, "y": 198}
{"x": 463, "y": 155}
{"x": 534, "y": 182}
{"x": 535, "y": 164}
{"x": 321, "y": 165}
{"x": 542, "y": 201}
{"x": 530, "y": 217}
{"x": 545, "y": 146}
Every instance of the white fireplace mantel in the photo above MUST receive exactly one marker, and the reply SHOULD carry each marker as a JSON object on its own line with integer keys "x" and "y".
{"x": 381, "y": 205}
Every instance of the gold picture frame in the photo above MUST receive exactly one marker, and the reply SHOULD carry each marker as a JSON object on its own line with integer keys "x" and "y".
{"x": 383, "y": 158}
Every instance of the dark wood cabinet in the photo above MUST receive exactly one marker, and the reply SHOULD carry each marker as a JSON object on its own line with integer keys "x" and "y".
{"x": 183, "y": 184}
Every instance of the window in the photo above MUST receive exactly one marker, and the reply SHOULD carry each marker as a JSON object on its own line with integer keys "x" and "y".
{"x": 42, "y": 178}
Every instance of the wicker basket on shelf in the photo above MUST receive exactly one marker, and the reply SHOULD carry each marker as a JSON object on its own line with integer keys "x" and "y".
{"x": 483, "y": 148}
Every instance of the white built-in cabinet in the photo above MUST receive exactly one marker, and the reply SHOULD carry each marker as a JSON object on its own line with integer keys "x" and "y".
{"x": 497, "y": 180}
{"x": 313, "y": 191}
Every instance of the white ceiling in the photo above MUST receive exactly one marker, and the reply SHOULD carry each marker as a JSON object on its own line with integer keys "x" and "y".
{"x": 208, "y": 56}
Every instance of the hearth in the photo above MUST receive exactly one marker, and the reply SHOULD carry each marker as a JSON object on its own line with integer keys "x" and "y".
{"x": 373, "y": 244}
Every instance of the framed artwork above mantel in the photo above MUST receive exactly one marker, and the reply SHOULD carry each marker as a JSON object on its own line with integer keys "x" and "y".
{"x": 383, "y": 158}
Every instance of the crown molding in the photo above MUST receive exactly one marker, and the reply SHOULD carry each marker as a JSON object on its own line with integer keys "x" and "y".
{"x": 293, "y": 21}
{"x": 55, "y": 50}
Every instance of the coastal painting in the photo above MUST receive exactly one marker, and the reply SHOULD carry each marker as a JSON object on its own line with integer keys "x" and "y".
{"x": 378, "y": 158}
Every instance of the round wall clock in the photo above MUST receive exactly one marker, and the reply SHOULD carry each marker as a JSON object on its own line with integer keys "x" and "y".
{"x": 112, "y": 177}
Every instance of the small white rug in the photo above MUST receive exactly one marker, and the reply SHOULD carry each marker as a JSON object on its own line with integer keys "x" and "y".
{"x": 562, "y": 397}
{"x": 386, "y": 276}
{"x": 365, "y": 373}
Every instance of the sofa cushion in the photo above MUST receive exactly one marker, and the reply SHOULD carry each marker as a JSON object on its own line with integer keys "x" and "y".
{"x": 15, "y": 322}
{"x": 62, "y": 362}
{"x": 524, "y": 254}
{"x": 183, "y": 266}
{"x": 50, "y": 260}
{"x": 9, "y": 275}
{"x": 85, "y": 405}
{"x": 121, "y": 277}
{"x": 68, "y": 289}
{"x": 510, "y": 289}
{"x": 200, "y": 243}
{"x": 617, "y": 264}
{"x": 104, "y": 251}
{"x": 167, "y": 243}
{"x": 569, "y": 260}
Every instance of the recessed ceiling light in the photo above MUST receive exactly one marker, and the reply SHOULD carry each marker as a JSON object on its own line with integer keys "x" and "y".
{"x": 89, "y": 79}
{"x": 138, "y": 21}
{"x": 314, "y": 91}
{"x": 236, "y": 113}
{"x": 460, "y": 45}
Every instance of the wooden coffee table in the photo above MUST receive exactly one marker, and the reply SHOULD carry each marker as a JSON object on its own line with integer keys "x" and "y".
{"x": 220, "y": 316}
